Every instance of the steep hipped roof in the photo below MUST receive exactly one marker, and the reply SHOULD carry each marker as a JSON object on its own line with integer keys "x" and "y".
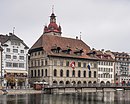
{"x": 5, "y": 38}
{"x": 46, "y": 42}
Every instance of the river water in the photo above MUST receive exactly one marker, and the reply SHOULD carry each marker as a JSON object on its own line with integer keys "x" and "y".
{"x": 118, "y": 97}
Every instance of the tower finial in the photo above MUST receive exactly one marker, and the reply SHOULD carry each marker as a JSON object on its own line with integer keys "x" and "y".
{"x": 52, "y": 8}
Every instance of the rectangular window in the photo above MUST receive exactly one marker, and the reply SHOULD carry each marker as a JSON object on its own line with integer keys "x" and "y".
{"x": 7, "y": 49}
{"x": 21, "y": 51}
{"x": 15, "y": 64}
{"x": 15, "y": 50}
{"x": 8, "y": 64}
{"x": 55, "y": 62}
{"x": 79, "y": 64}
{"x": 67, "y": 63}
{"x": 84, "y": 65}
{"x": 21, "y": 65}
{"x": 61, "y": 63}
{"x": 8, "y": 56}
{"x": 14, "y": 57}
{"x": 21, "y": 57}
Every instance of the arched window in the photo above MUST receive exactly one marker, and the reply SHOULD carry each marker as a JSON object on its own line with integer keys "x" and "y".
{"x": 31, "y": 73}
{"x": 42, "y": 72}
{"x": 89, "y": 74}
{"x": 61, "y": 73}
{"x": 38, "y": 72}
{"x": 84, "y": 74}
{"x": 35, "y": 73}
{"x": 67, "y": 73}
{"x": 79, "y": 73}
{"x": 55, "y": 72}
{"x": 73, "y": 73}
{"x": 46, "y": 72}
{"x": 94, "y": 74}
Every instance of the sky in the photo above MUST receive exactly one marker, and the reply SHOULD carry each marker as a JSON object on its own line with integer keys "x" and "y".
{"x": 102, "y": 24}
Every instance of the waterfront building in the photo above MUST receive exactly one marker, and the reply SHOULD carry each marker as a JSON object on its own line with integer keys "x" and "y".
{"x": 122, "y": 63}
{"x": 105, "y": 67}
{"x": 14, "y": 60}
{"x": 61, "y": 60}
{"x": 1, "y": 49}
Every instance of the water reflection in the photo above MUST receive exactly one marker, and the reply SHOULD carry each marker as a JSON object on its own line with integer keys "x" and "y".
{"x": 119, "y": 97}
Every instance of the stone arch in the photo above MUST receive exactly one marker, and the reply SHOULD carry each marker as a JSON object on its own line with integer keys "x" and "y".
{"x": 67, "y": 82}
{"x": 79, "y": 82}
{"x": 94, "y": 83}
{"x": 102, "y": 83}
{"x": 89, "y": 83}
{"x": 55, "y": 82}
{"x": 73, "y": 82}
{"x": 108, "y": 83}
{"x": 61, "y": 83}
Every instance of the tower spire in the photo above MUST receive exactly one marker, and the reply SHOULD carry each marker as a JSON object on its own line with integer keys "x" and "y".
{"x": 52, "y": 8}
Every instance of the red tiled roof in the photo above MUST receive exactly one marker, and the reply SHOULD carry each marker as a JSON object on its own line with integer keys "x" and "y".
{"x": 49, "y": 41}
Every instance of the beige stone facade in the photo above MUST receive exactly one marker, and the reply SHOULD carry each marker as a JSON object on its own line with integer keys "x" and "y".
{"x": 50, "y": 69}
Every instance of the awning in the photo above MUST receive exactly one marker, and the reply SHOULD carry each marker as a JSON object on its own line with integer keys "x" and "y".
{"x": 16, "y": 71}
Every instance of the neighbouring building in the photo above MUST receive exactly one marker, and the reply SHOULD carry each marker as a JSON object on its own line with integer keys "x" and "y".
{"x": 61, "y": 60}
{"x": 1, "y": 49}
{"x": 14, "y": 61}
{"x": 105, "y": 67}
{"x": 122, "y": 64}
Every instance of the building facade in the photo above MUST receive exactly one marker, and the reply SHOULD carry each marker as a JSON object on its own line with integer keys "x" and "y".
{"x": 1, "y": 65}
{"x": 122, "y": 62}
{"x": 15, "y": 59}
{"x": 60, "y": 60}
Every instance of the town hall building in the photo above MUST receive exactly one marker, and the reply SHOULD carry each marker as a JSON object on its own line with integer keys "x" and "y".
{"x": 59, "y": 60}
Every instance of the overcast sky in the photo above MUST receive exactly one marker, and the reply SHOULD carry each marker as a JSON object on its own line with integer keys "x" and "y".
{"x": 104, "y": 24}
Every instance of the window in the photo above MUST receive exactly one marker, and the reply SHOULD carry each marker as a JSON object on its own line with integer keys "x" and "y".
{"x": 21, "y": 51}
{"x": 84, "y": 65}
{"x": 38, "y": 73}
{"x": 21, "y": 57}
{"x": 61, "y": 73}
{"x": 61, "y": 63}
{"x": 15, "y": 64}
{"x": 94, "y": 74}
{"x": 31, "y": 73}
{"x": 42, "y": 72}
{"x": 35, "y": 73}
{"x": 89, "y": 74}
{"x": 14, "y": 57}
{"x": 7, "y": 49}
{"x": 55, "y": 62}
{"x": 45, "y": 62}
{"x": 46, "y": 72}
{"x": 55, "y": 72}
{"x": 79, "y": 64}
{"x": 67, "y": 73}
{"x": 73, "y": 73}
{"x": 15, "y": 50}
{"x": 21, "y": 65}
{"x": 8, "y": 56}
{"x": 8, "y": 64}
{"x": 67, "y": 63}
{"x": 42, "y": 62}
{"x": 84, "y": 73}
{"x": 79, "y": 73}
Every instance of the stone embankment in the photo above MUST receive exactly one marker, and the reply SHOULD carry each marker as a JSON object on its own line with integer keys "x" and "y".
{"x": 20, "y": 91}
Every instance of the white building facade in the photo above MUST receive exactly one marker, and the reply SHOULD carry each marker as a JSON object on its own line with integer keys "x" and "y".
{"x": 14, "y": 60}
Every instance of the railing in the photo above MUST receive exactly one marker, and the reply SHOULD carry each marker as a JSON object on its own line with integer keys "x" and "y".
{"x": 86, "y": 85}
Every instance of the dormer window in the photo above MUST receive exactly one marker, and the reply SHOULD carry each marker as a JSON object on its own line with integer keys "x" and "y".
{"x": 55, "y": 49}
{"x": 78, "y": 51}
{"x": 67, "y": 50}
